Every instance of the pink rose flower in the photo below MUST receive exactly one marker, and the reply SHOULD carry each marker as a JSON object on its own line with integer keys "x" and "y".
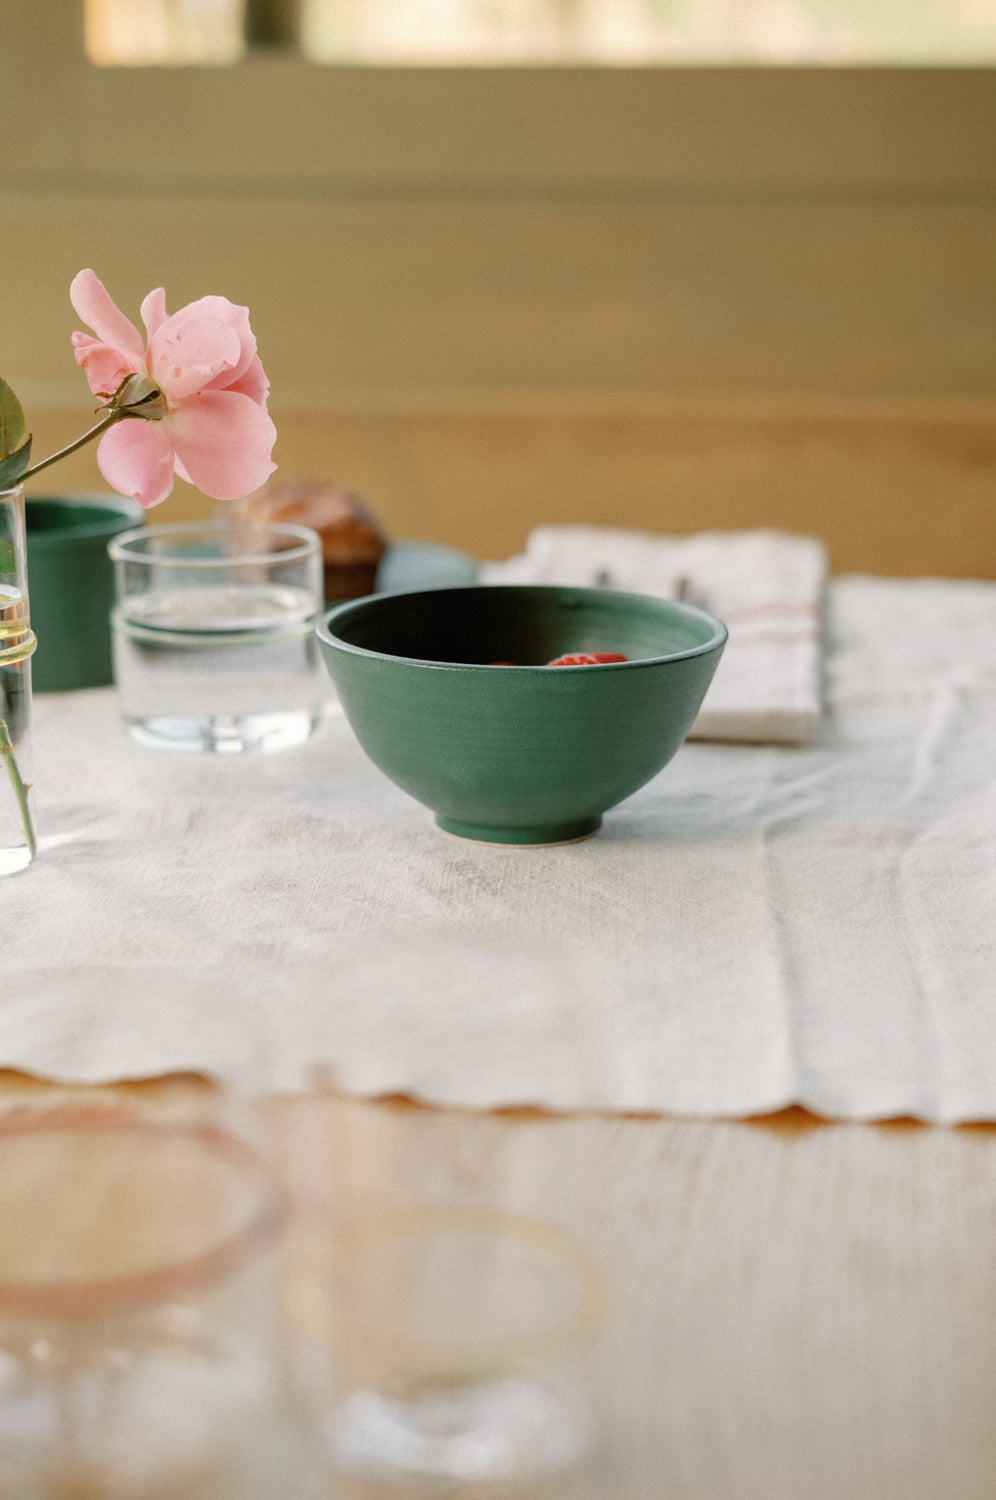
{"x": 211, "y": 426}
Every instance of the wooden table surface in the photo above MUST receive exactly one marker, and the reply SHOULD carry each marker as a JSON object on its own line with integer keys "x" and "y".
{"x": 800, "y": 1310}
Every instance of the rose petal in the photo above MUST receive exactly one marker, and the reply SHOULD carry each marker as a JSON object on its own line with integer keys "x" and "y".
{"x": 95, "y": 306}
{"x": 235, "y": 318}
{"x": 104, "y": 365}
{"x": 154, "y": 311}
{"x": 224, "y": 440}
{"x": 253, "y": 383}
{"x": 136, "y": 459}
{"x": 187, "y": 353}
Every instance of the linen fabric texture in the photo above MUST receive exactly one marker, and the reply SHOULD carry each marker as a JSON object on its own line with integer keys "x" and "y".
{"x": 762, "y": 924}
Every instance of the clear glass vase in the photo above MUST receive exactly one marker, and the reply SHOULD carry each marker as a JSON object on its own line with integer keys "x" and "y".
{"x": 17, "y": 642}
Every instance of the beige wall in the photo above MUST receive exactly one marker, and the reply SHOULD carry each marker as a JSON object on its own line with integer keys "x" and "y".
{"x": 487, "y": 300}
{"x": 891, "y": 493}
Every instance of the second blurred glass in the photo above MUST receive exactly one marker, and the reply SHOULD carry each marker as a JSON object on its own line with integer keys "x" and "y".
{"x": 214, "y": 644}
{"x": 456, "y": 1336}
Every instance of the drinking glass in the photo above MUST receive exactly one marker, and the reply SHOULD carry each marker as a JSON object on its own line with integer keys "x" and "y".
{"x": 17, "y": 642}
{"x": 213, "y": 635}
{"x": 138, "y": 1307}
{"x": 456, "y": 1335}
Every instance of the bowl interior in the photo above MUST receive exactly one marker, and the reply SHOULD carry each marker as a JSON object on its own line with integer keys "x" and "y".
{"x": 520, "y": 625}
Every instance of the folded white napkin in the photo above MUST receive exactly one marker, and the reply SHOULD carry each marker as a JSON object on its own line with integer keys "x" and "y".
{"x": 766, "y": 586}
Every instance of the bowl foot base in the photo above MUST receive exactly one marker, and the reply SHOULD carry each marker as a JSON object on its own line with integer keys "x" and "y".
{"x": 540, "y": 835}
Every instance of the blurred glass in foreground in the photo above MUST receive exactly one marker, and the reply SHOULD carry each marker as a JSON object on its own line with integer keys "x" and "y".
{"x": 139, "y": 1332}
{"x": 456, "y": 1338}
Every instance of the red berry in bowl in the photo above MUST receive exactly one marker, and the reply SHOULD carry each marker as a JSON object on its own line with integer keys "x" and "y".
{"x": 587, "y": 659}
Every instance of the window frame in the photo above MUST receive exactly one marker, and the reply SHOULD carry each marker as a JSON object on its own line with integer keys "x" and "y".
{"x": 277, "y": 125}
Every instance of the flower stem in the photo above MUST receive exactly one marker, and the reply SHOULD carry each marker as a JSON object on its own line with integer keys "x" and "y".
{"x": 20, "y": 790}
{"x": 102, "y": 426}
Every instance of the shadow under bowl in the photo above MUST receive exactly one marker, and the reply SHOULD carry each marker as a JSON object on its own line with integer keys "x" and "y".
{"x": 524, "y": 753}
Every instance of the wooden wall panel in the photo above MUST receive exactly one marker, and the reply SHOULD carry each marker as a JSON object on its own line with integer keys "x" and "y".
{"x": 491, "y": 298}
{"x": 889, "y": 494}
{"x": 485, "y": 302}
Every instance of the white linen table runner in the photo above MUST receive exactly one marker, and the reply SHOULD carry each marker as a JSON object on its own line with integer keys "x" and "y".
{"x": 761, "y": 924}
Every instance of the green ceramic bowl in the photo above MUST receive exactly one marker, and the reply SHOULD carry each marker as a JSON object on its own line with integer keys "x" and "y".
{"x": 70, "y": 585}
{"x": 524, "y": 754}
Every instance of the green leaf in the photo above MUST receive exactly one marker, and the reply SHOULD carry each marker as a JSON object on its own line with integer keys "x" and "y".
{"x": 14, "y": 465}
{"x": 12, "y": 424}
{"x": 8, "y": 557}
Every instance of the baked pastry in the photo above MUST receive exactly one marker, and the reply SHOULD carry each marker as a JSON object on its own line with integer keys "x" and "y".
{"x": 353, "y": 542}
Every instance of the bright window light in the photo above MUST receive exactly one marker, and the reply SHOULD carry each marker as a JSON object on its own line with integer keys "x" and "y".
{"x": 137, "y": 33}
{"x": 641, "y": 32}
{"x": 570, "y": 32}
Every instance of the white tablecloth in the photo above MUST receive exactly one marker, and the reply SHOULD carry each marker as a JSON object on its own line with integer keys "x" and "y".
{"x": 757, "y": 926}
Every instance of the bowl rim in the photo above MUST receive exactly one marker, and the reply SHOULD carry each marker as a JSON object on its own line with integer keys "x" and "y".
{"x": 717, "y": 639}
{"x": 120, "y": 513}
